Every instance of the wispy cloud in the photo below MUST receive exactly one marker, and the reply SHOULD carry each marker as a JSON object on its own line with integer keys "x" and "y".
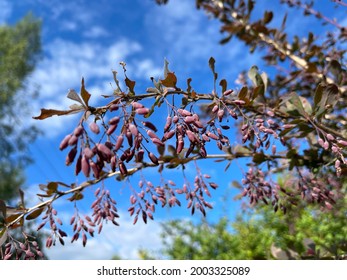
{"x": 123, "y": 241}
{"x": 188, "y": 38}
{"x": 96, "y": 32}
{"x": 66, "y": 62}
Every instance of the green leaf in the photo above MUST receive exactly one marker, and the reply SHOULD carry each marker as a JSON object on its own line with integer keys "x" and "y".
{"x": 33, "y": 215}
{"x": 259, "y": 158}
{"x": 268, "y": 15}
{"x": 283, "y": 25}
{"x": 326, "y": 97}
{"x": 211, "y": 63}
{"x": 243, "y": 94}
{"x": 318, "y": 96}
{"x": 52, "y": 187}
{"x": 76, "y": 196}
{"x": 335, "y": 68}
{"x": 254, "y": 76}
{"x": 224, "y": 84}
{"x": 332, "y": 92}
{"x": 226, "y": 39}
{"x": 258, "y": 91}
{"x": 293, "y": 103}
{"x": 171, "y": 149}
{"x": 3, "y": 208}
{"x": 3, "y": 236}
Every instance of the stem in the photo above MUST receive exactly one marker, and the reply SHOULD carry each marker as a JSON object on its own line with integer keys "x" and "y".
{"x": 132, "y": 171}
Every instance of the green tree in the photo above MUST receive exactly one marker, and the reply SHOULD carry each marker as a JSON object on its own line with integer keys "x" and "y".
{"x": 20, "y": 47}
{"x": 304, "y": 232}
{"x": 19, "y": 51}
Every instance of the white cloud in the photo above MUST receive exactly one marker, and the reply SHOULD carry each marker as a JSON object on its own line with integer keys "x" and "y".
{"x": 65, "y": 64}
{"x": 144, "y": 69}
{"x": 124, "y": 241}
{"x": 191, "y": 38}
{"x": 96, "y": 32}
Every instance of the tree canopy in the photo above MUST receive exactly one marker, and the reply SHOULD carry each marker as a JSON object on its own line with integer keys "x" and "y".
{"x": 304, "y": 232}
{"x": 20, "y": 46}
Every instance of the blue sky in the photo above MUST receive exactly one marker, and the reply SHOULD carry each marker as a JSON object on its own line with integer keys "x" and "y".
{"x": 88, "y": 39}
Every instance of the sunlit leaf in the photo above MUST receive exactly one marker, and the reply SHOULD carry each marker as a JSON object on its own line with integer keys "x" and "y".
{"x": 293, "y": 103}
{"x": 85, "y": 94}
{"x": 243, "y": 93}
{"x": 130, "y": 84}
{"x": 254, "y": 76}
{"x": 76, "y": 196}
{"x": 3, "y": 236}
{"x": 73, "y": 95}
{"x": 52, "y": 187}
{"x": 13, "y": 217}
{"x": 170, "y": 80}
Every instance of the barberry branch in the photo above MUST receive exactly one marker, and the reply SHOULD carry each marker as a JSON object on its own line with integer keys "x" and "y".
{"x": 131, "y": 171}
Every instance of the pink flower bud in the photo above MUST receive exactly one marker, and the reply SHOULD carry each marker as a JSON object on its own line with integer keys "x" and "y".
{"x": 111, "y": 129}
{"x": 189, "y": 119}
{"x": 142, "y": 111}
{"x": 168, "y": 123}
{"x": 73, "y": 140}
{"x": 137, "y": 105}
{"x": 342, "y": 142}
{"x": 114, "y": 120}
{"x": 273, "y": 149}
{"x": 78, "y": 131}
{"x": 133, "y": 129}
{"x": 88, "y": 153}
{"x": 227, "y": 92}
{"x": 65, "y": 142}
{"x": 157, "y": 142}
{"x": 330, "y": 137}
{"x": 215, "y": 108}
{"x": 94, "y": 127}
{"x": 153, "y": 158}
{"x": 85, "y": 166}
{"x": 239, "y": 102}
{"x": 119, "y": 142}
{"x": 152, "y": 134}
{"x": 191, "y": 136}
